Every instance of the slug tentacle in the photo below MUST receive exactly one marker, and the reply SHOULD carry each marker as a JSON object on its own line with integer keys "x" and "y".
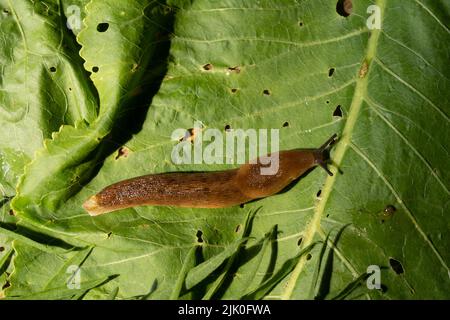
{"x": 218, "y": 189}
{"x": 322, "y": 154}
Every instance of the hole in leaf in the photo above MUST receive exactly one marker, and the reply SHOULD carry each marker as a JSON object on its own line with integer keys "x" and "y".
{"x": 235, "y": 69}
{"x": 328, "y": 101}
{"x": 52, "y": 69}
{"x": 102, "y": 27}
{"x": 300, "y": 24}
{"x": 227, "y": 127}
{"x": 299, "y": 242}
{"x": 344, "y": 7}
{"x": 286, "y": 124}
{"x": 95, "y": 69}
{"x": 308, "y": 256}
{"x": 70, "y": 89}
{"x": 266, "y": 92}
{"x": 11, "y": 212}
{"x": 6, "y": 285}
{"x": 328, "y": 215}
{"x": 319, "y": 193}
{"x": 109, "y": 235}
{"x": 337, "y": 112}
{"x": 396, "y": 266}
{"x": 238, "y": 228}
{"x": 199, "y": 236}
{"x": 241, "y": 205}
{"x": 5, "y": 11}
{"x": 331, "y": 72}
{"x": 234, "y": 90}
{"x": 2, "y": 249}
{"x": 208, "y": 67}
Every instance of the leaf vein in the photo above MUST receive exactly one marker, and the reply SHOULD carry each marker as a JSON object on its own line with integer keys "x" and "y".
{"x": 409, "y": 86}
{"x": 400, "y": 201}
{"x": 406, "y": 141}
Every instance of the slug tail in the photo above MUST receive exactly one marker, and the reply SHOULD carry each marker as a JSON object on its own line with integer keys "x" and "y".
{"x": 93, "y": 207}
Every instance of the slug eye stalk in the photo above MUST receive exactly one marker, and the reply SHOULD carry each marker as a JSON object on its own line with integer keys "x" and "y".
{"x": 322, "y": 154}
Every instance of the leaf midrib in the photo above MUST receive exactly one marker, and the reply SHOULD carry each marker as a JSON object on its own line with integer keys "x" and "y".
{"x": 344, "y": 142}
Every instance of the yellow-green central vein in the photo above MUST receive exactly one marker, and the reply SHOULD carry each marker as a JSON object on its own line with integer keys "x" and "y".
{"x": 344, "y": 142}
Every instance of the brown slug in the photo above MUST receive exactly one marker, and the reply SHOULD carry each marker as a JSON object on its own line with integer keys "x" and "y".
{"x": 216, "y": 189}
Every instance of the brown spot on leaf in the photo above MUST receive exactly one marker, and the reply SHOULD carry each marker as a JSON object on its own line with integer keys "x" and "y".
{"x": 344, "y": 7}
{"x": 190, "y": 135}
{"x": 387, "y": 213}
{"x": 363, "y": 70}
{"x": 122, "y": 152}
{"x": 208, "y": 67}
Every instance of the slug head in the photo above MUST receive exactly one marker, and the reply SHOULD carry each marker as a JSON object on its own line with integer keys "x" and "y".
{"x": 322, "y": 154}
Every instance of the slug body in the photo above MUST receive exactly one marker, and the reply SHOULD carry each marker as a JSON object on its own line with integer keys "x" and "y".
{"x": 216, "y": 189}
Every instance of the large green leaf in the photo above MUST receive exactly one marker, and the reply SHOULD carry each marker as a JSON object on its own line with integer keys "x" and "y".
{"x": 294, "y": 65}
{"x": 42, "y": 85}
